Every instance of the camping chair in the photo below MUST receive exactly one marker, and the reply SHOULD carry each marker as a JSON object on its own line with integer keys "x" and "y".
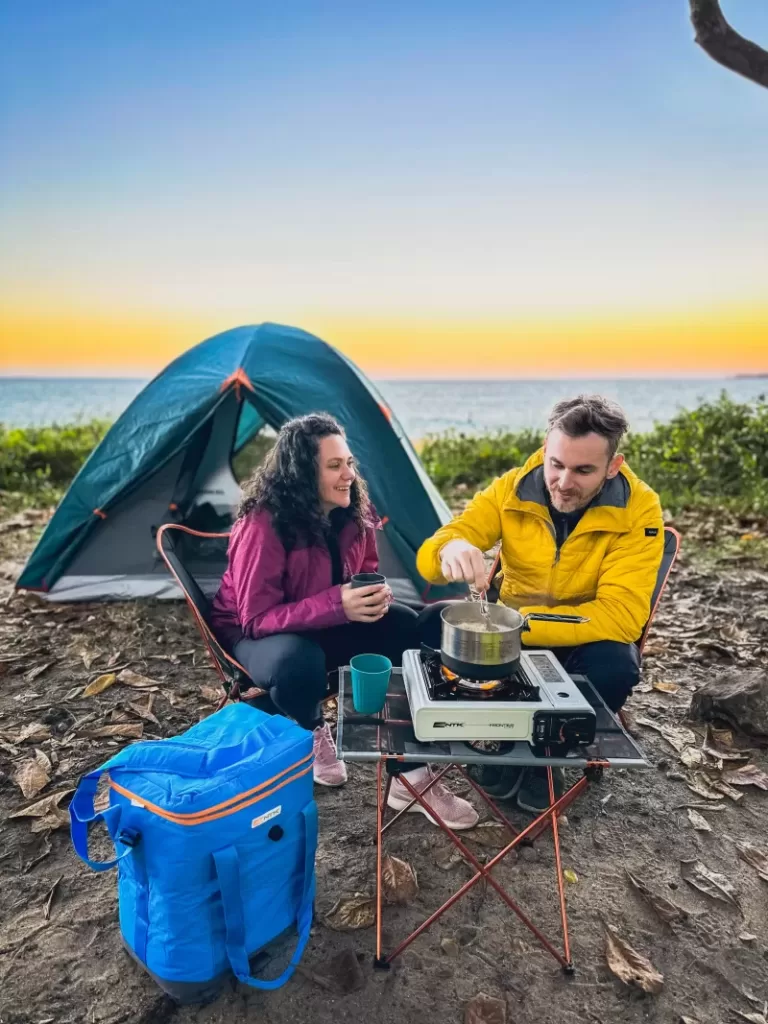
{"x": 671, "y": 549}
{"x": 232, "y": 674}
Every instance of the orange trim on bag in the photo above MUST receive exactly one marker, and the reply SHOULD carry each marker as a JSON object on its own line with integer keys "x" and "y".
{"x": 231, "y": 806}
{"x": 99, "y": 513}
{"x": 386, "y": 412}
{"x": 384, "y": 520}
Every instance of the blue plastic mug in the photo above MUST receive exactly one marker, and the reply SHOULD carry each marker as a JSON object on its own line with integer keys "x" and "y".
{"x": 370, "y": 679}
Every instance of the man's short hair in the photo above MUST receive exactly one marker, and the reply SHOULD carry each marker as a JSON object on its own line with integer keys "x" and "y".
{"x": 590, "y": 414}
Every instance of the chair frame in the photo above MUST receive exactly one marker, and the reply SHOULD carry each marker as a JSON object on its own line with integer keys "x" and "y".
{"x": 231, "y": 683}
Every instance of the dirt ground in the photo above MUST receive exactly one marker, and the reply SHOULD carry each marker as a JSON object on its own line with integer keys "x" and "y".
{"x": 61, "y": 960}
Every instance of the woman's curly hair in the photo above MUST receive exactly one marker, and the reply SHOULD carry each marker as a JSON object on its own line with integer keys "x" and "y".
{"x": 286, "y": 484}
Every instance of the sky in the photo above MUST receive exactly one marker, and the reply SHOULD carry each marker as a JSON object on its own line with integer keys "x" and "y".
{"x": 440, "y": 189}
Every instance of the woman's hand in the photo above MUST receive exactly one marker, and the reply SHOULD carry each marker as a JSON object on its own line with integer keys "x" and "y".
{"x": 365, "y": 604}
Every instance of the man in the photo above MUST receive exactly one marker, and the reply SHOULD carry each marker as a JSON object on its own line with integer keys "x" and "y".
{"x": 580, "y": 534}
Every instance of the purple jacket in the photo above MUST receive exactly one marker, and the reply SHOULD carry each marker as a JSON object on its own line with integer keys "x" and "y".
{"x": 268, "y": 590}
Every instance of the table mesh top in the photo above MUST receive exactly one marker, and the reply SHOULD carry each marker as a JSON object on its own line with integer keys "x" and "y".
{"x": 390, "y": 735}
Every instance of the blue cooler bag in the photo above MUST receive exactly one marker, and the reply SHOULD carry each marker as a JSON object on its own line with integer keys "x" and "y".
{"x": 215, "y": 833}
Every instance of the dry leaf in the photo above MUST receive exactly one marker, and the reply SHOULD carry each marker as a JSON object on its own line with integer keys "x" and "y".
{"x": 31, "y": 777}
{"x": 754, "y": 1018}
{"x": 33, "y": 733}
{"x": 89, "y": 657}
{"x": 700, "y": 823}
{"x": 748, "y": 775}
{"x": 351, "y": 912}
{"x": 48, "y": 805}
{"x": 678, "y": 739}
{"x": 756, "y": 857}
{"x": 655, "y": 647}
{"x": 144, "y": 712}
{"x": 663, "y": 687}
{"x": 485, "y": 1009}
{"x": 114, "y": 659}
{"x": 100, "y": 684}
{"x": 710, "y": 882}
{"x": 211, "y": 694}
{"x": 630, "y": 966}
{"x": 491, "y": 834}
{"x": 668, "y": 911}
{"x": 570, "y": 876}
{"x": 733, "y": 633}
{"x": 44, "y": 761}
{"x": 701, "y": 785}
{"x": 139, "y": 682}
{"x": 747, "y": 937}
{"x": 447, "y": 857}
{"x": 127, "y": 730}
{"x": 719, "y": 744}
{"x": 37, "y": 671}
{"x": 689, "y": 1020}
{"x": 398, "y": 879}
{"x": 692, "y": 757}
{"x": 729, "y": 791}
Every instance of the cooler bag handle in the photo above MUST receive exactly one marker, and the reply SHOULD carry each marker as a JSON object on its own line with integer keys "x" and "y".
{"x": 82, "y": 813}
{"x": 228, "y": 871}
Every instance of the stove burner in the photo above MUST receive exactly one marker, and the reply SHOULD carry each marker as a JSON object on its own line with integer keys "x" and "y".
{"x": 443, "y": 684}
{"x": 472, "y": 685}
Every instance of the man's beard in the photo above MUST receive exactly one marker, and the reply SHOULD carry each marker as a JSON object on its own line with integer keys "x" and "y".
{"x": 576, "y": 501}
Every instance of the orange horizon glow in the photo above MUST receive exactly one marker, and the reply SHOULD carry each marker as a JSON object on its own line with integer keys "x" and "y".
{"x": 715, "y": 342}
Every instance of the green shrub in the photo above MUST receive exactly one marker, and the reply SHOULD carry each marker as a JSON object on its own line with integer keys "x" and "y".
{"x": 716, "y": 454}
{"x": 43, "y": 460}
{"x": 460, "y": 460}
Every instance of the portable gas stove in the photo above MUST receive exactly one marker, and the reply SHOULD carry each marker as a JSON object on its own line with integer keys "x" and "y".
{"x": 539, "y": 704}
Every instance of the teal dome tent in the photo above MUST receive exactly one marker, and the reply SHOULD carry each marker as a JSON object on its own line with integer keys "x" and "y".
{"x": 168, "y": 458}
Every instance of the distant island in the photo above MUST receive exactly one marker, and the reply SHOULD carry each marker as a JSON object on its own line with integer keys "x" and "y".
{"x": 751, "y": 376}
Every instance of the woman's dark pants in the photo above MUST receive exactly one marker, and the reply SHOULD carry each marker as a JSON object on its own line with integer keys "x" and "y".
{"x": 293, "y": 667}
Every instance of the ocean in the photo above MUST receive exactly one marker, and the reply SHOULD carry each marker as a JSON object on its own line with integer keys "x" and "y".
{"x": 423, "y": 406}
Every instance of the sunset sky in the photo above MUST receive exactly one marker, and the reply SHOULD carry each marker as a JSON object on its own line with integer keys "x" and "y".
{"x": 495, "y": 188}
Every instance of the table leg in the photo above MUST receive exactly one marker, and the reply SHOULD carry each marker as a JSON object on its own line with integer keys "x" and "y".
{"x": 568, "y": 966}
{"x": 482, "y": 872}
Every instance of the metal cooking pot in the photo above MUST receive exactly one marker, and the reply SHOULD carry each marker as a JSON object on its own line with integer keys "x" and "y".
{"x": 487, "y": 654}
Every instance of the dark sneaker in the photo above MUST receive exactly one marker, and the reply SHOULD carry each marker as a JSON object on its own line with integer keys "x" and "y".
{"x": 500, "y": 782}
{"x": 533, "y": 791}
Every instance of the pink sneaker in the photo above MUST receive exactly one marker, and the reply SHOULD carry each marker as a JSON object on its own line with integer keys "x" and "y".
{"x": 456, "y": 813}
{"x": 328, "y": 769}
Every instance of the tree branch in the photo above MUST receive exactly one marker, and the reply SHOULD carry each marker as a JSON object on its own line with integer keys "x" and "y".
{"x": 723, "y": 44}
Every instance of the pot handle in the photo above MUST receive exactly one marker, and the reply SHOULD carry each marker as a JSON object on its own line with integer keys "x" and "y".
{"x": 543, "y": 617}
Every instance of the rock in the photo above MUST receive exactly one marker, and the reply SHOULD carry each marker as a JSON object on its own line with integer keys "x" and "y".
{"x": 466, "y": 935}
{"x": 485, "y": 1009}
{"x": 345, "y": 968}
{"x": 450, "y": 947}
{"x": 740, "y": 696}
{"x": 529, "y": 853}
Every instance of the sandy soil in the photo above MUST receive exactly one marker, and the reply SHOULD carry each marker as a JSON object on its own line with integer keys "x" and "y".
{"x": 61, "y": 960}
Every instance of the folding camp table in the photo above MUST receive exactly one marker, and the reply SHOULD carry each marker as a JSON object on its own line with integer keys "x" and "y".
{"x": 388, "y": 740}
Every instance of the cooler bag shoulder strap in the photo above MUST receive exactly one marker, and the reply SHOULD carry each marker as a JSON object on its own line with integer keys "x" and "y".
{"x": 228, "y": 872}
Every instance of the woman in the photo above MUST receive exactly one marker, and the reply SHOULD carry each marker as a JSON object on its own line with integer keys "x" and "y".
{"x": 286, "y": 608}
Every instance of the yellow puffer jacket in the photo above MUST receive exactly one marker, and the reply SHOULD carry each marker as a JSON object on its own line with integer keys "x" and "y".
{"x": 606, "y": 569}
